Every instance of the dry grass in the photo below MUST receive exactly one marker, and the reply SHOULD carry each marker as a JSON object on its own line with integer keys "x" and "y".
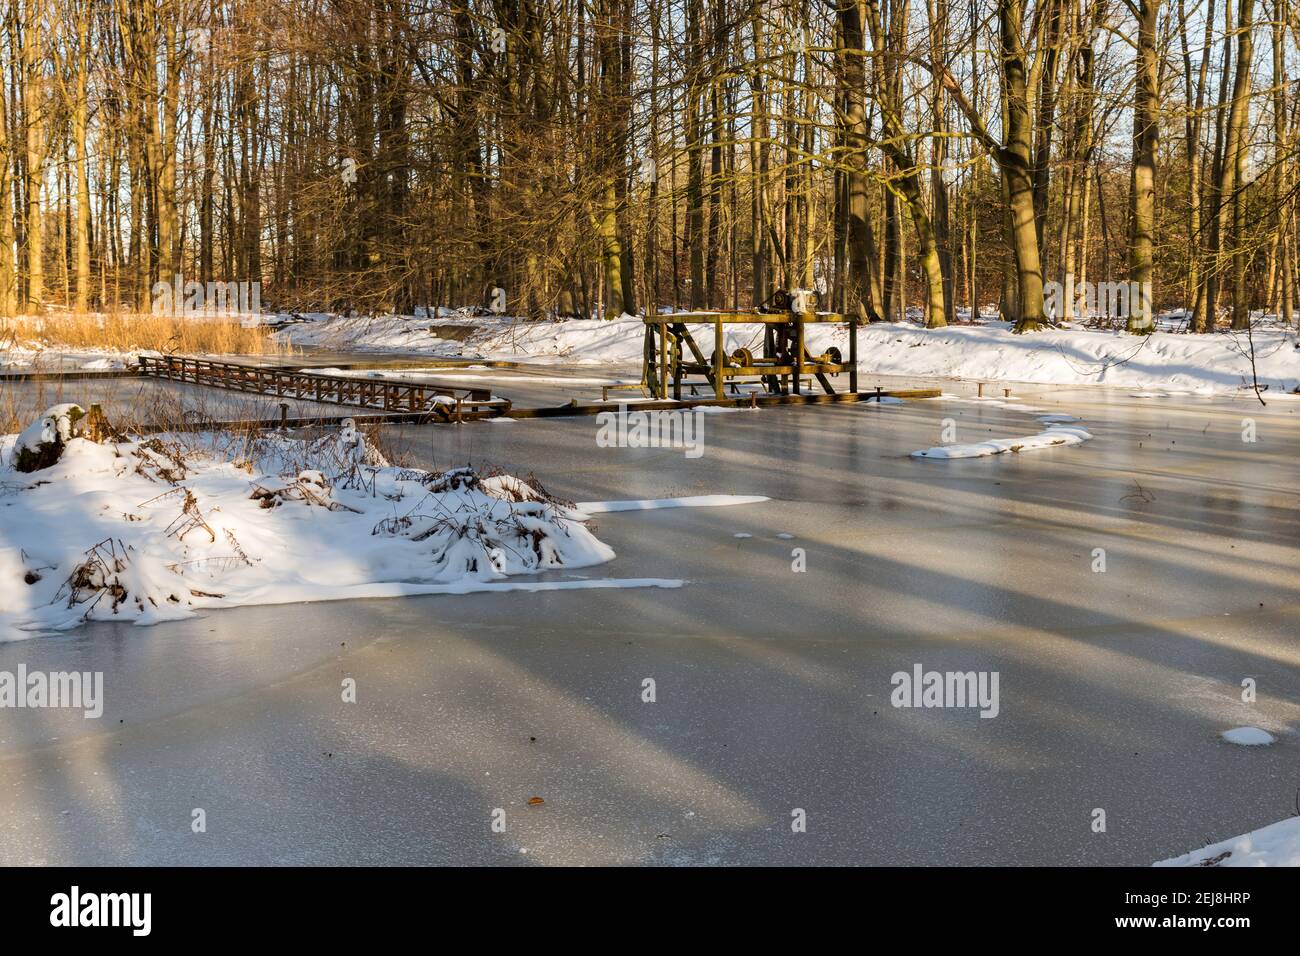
{"x": 14, "y": 414}
{"x": 129, "y": 332}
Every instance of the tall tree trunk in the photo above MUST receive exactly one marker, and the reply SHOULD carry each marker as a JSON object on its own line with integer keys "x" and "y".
{"x": 938, "y": 179}
{"x": 34, "y": 122}
{"x": 758, "y": 160}
{"x": 80, "y": 108}
{"x": 694, "y": 152}
{"x": 1212, "y": 269}
{"x": 1232, "y": 180}
{"x": 1016, "y": 161}
{"x": 8, "y": 272}
{"x": 863, "y": 285}
{"x": 1195, "y": 93}
{"x": 169, "y": 260}
{"x": 1143, "y": 189}
{"x": 1282, "y": 167}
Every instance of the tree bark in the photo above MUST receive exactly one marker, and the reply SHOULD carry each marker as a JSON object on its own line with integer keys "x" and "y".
{"x": 1142, "y": 192}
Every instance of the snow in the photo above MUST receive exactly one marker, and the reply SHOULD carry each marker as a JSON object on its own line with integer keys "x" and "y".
{"x": 1275, "y": 845}
{"x": 400, "y": 333}
{"x": 56, "y": 425}
{"x": 988, "y": 351}
{"x": 153, "y": 530}
{"x": 649, "y": 504}
{"x": 1248, "y": 736}
{"x": 1054, "y": 436}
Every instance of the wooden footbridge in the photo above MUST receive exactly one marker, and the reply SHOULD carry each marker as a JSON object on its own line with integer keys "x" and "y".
{"x": 439, "y": 402}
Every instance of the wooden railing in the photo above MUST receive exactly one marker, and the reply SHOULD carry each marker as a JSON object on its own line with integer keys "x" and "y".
{"x": 441, "y": 401}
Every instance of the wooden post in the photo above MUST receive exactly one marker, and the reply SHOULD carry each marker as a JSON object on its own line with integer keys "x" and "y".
{"x": 96, "y": 428}
{"x": 853, "y": 352}
{"x": 719, "y": 356}
{"x": 663, "y": 364}
{"x": 677, "y": 368}
{"x": 798, "y": 351}
{"x": 648, "y": 357}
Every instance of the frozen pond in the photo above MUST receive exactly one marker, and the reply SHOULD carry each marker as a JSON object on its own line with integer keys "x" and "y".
{"x": 772, "y": 685}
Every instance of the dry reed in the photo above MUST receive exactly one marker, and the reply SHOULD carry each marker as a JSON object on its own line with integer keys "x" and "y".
{"x": 132, "y": 332}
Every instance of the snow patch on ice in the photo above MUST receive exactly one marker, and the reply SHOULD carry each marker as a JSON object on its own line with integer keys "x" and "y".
{"x": 1054, "y": 436}
{"x": 1248, "y": 736}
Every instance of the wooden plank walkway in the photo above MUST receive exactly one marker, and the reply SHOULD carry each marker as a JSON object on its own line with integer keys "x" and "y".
{"x": 444, "y": 402}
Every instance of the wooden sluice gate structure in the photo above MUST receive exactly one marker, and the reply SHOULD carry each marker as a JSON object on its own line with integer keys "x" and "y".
{"x": 438, "y": 402}
{"x": 673, "y": 357}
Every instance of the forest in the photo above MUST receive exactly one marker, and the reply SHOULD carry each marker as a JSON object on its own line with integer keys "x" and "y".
{"x": 904, "y": 159}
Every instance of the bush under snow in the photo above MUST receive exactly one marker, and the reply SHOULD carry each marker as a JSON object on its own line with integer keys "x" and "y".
{"x": 41, "y": 443}
{"x": 152, "y": 529}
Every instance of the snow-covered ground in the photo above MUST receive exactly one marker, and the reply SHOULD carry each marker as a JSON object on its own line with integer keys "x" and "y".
{"x": 989, "y": 351}
{"x": 1275, "y": 845}
{"x": 153, "y": 529}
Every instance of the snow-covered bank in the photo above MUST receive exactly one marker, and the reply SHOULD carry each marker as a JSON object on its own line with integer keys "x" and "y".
{"x": 1196, "y": 363}
{"x": 152, "y": 530}
{"x": 1275, "y": 845}
{"x": 990, "y": 351}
